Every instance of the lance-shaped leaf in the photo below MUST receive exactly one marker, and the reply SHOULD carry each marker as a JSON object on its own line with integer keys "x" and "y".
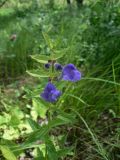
{"x": 37, "y": 73}
{"x": 7, "y": 153}
{"x": 48, "y": 40}
{"x": 44, "y": 59}
{"x": 41, "y": 58}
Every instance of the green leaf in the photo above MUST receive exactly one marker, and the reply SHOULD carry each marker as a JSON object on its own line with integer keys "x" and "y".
{"x": 37, "y": 74}
{"x": 44, "y": 59}
{"x": 48, "y": 40}
{"x": 39, "y": 155}
{"x": 39, "y": 108}
{"x": 63, "y": 118}
{"x": 15, "y": 121}
{"x": 33, "y": 124}
{"x": 16, "y": 116}
{"x": 52, "y": 153}
{"x": 7, "y": 153}
{"x": 41, "y": 58}
{"x": 4, "y": 119}
{"x": 57, "y": 122}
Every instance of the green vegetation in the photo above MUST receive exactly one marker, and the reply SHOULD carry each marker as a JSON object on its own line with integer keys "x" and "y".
{"x": 84, "y": 123}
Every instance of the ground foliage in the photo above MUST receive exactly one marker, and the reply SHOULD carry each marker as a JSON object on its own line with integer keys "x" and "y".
{"x": 84, "y": 124}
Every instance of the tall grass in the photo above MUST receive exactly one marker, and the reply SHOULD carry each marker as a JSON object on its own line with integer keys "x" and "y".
{"x": 20, "y": 19}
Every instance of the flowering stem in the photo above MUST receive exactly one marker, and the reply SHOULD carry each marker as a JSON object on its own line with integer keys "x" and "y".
{"x": 52, "y": 70}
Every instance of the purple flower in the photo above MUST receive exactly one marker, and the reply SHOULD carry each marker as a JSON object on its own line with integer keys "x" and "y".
{"x": 70, "y": 73}
{"x": 50, "y": 93}
{"x": 47, "y": 65}
{"x": 58, "y": 66}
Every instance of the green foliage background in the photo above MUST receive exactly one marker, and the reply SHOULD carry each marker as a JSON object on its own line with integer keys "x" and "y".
{"x": 85, "y": 123}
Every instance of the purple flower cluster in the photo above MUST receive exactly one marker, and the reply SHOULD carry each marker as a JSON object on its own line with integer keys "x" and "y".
{"x": 69, "y": 73}
{"x": 50, "y": 93}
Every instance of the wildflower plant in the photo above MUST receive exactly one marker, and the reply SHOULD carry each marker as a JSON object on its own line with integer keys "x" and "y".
{"x": 54, "y": 72}
{"x": 68, "y": 73}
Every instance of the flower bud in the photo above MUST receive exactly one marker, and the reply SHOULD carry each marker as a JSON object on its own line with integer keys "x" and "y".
{"x": 58, "y": 66}
{"x": 47, "y": 65}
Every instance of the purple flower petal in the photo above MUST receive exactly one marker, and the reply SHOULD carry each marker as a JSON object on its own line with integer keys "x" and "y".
{"x": 50, "y": 93}
{"x": 70, "y": 73}
{"x": 49, "y": 87}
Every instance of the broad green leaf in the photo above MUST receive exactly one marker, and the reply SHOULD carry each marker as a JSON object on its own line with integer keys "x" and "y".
{"x": 17, "y": 111}
{"x": 7, "y": 153}
{"x": 16, "y": 116}
{"x": 15, "y": 121}
{"x": 4, "y": 119}
{"x": 39, "y": 108}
